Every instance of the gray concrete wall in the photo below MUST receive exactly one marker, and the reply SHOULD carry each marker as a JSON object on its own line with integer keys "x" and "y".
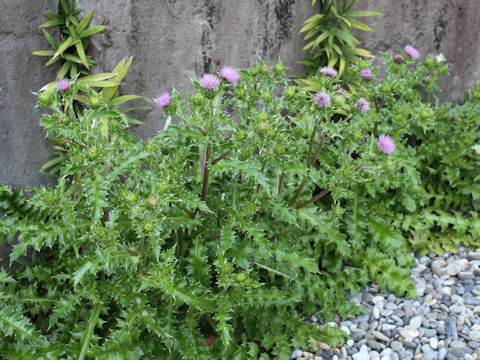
{"x": 23, "y": 149}
{"x": 175, "y": 40}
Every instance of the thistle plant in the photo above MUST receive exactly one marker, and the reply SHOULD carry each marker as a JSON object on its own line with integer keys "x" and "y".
{"x": 259, "y": 203}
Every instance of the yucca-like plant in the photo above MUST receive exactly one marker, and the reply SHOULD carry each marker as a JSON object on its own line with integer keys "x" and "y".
{"x": 331, "y": 42}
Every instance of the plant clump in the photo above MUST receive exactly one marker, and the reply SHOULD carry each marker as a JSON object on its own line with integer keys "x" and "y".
{"x": 259, "y": 204}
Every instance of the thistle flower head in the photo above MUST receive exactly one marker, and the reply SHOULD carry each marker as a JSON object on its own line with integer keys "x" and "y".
{"x": 163, "y": 100}
{"x": 230, "y": 74}
{"x": 386, "y": 144}
{"x": 412, "y": 52}
{"x": 63, "y": 85}
{"x": 328, "y": 71}
{"x": 209, "y": 82}
{"x": 362, "y": 105}
{"x": 322, "y": 99}
{"x": 366, "y": 74}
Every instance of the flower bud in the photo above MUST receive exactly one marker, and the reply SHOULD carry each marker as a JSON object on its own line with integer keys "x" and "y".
{"x": 399, "y": 59}
{"x": 161, "y": 186}
{"x": 289, "y": 92}
{"x": 96, "y": 101}
{"x": 385, "y": 88}
{"x": 426, "y": 114}
{"x": 249, "y": 209}
{"x": 241, "y": 135}
{"x": 152, "y": 202}
{"x": 254, "y": 70}
{"x": 263, "y": 116}
{"x": 390, "y": 165}
{"x": 240, "y": 277}
{"x": 130, "y": 197}
{"x": 46, "y": 99}
{"x": 267, "y": 97}
{"x": 357, "y": 134}
{"x": 242, "y": 93}
{"x": 263, "y": 126}
{"x": 147, "y": 227}
{"x": 198, "y": 99}
{"x": 279, "y": 69}
{"x": 92, "y": 153}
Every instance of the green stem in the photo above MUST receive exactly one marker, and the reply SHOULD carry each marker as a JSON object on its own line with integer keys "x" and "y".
{"x": 206, "y": 174}
{"x": 299, "y": 190}
{"x": 280, "y": 185}
{"x": 180, "y": 247}
{"x": 91, "y": 326}
{"x": 473, "y": 108}
{"x": 315, "y": 198}
{"x": 140, "y": 254}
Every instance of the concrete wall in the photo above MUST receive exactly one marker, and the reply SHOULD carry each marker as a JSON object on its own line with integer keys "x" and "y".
{"x": 175, "y": 40}
{"x": 23, "y": 149}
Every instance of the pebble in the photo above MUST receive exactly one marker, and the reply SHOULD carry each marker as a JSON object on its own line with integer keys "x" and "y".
{"x": 409, "y": 333}
{"x": 433, "y": 342}
{"x": 451, "y": 328}
{"x": 416, "y": 322}
{"x": 442, "y": 323}
{"x": 379, "y": 336}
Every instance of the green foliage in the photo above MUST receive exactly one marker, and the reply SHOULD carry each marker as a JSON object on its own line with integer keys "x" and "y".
{"x": 256, "y": 207}
{"x": 71, "y": 49}
{"x": 73, "y": 42}
{"x": 435, "y": 196}
{"x": 331, "y": 41}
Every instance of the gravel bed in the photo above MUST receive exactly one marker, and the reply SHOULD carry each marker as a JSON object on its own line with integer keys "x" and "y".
{"x": 443, "y": 323}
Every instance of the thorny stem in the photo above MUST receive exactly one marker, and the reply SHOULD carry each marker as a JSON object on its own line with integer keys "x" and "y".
{"x": 199, "y": 129}
{"x": 280, "y": 184}
{"x": 189, "y": 213}
{"x": 214, "y": 236}
{"x": 140, "y": 253}
{"x": 378, "y": 107}
{"x": 309, "y": 163}
{"x": 299, "y": 190}
{"x": 224, "y": 155}
{"x": 107, "y": 167}
{"x": 180, "y": 250}
{"x": 310, "y": 146}
{"x": 327, "y": 190}
{"x": 471, "y": 110}
{"x": 315, "y": 198}
{"x": 205, "y": 173}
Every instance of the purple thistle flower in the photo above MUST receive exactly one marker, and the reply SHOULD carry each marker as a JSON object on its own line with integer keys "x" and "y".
{"x": 209, "y": 82}
{"x": 412, "y": 52}
{"x": 367, "y": 74}
{"x": 328, "y": 71}
{"x": 362, "y": 105}
{"x": 63, "y": 85}
{"x": 322, "y": 99}
{"x": 230, "y": 74}
{"x": 386, "y": 144}
{"x": 163, "y": 99}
